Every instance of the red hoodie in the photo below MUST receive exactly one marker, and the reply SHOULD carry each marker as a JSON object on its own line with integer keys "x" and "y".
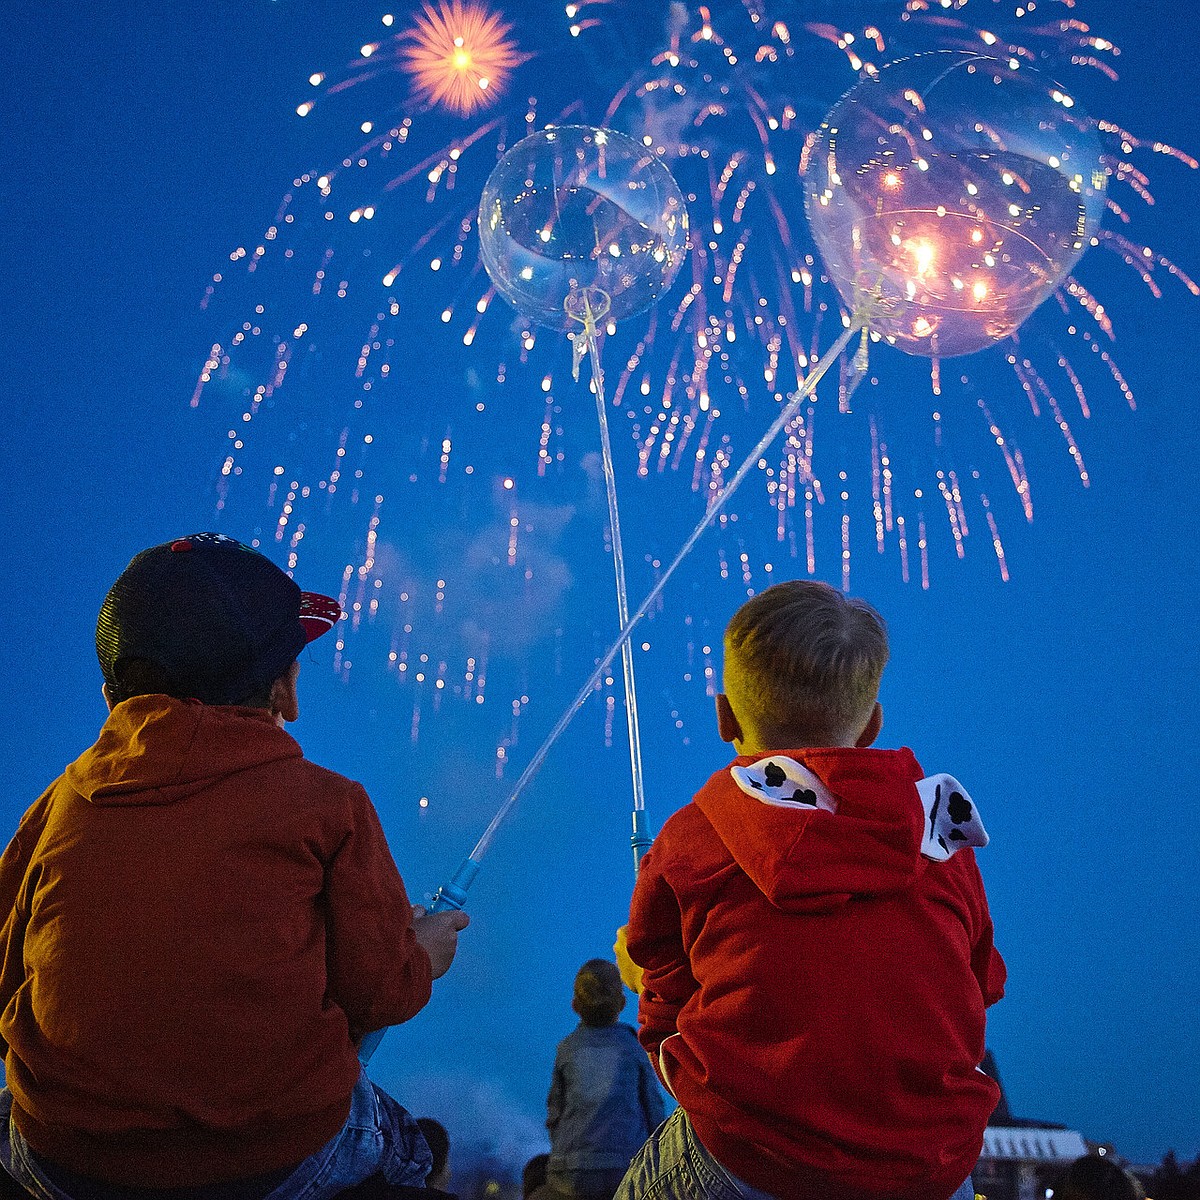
{"x": 197, "y": 923}
{"x": 814, "y": 986}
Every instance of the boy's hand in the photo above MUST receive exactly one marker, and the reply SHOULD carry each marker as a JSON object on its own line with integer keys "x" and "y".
{"x": 631, "y": 973}
{"x": 438, "y": 934}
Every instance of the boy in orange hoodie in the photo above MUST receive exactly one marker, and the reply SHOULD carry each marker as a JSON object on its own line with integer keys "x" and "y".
{"x": 199, "y": 924}
{"x": 814, "y": 938}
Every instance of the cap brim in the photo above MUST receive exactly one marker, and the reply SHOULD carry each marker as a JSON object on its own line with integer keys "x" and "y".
{"x": 318, "y": 614}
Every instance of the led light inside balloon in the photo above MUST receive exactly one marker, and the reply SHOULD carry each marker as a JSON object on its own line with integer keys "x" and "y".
{"x": 953, "y": 193}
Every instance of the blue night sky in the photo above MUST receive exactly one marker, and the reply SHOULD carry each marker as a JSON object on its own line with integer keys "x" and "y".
{"x": 145, "y": 143}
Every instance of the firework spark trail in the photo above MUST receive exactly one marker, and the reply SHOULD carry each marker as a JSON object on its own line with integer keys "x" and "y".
{"x": 370, "y": 263}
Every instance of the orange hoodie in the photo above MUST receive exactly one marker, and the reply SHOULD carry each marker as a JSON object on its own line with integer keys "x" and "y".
{"x": 818, "y": 956}
{"x": 197, "y": 925}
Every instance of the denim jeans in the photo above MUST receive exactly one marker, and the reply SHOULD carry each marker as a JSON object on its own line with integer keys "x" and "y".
{"x": 673, "y": 1165}
{"x": 379, "y": 1136}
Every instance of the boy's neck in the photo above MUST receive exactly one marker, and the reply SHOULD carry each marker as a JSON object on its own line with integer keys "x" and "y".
{"x": 753, "y": 742}
{"x": 757, "y": 747}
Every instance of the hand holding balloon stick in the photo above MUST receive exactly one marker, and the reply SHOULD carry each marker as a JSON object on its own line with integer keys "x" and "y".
{"x": 578, "y": 226}
{"x": 631, "y": 974}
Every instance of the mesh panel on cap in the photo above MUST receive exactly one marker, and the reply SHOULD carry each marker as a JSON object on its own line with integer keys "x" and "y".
{"x": 218, "y": 618}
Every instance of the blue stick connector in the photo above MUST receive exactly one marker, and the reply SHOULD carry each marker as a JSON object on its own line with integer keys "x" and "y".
{"x": 642, "y": 840}
{"x": 454, "y": 894}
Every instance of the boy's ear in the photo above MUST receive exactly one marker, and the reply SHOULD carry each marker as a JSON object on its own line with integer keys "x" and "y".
{"x": 107, "y": 697}
{"x": 728, "y": 726}
{"x": 285, "y": 703}
{"x": 871, "y": 729}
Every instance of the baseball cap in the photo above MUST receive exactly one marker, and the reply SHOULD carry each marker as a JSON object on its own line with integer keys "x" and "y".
{"x": 219, "y": 619}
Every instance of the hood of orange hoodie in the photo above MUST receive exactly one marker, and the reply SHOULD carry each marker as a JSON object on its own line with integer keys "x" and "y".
{"x": 155, "y": 750}
{"x": 815, "y": 828}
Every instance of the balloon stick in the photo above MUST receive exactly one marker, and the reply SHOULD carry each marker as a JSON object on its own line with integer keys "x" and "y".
{"x": 587, "y": 306}
{"x": 446, "y": 897}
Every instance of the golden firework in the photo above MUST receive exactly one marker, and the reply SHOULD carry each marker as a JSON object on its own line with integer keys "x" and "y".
{"x": 459, "y": 55}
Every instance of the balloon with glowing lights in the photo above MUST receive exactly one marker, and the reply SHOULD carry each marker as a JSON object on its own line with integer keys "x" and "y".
{"x": 580, "y": 228}
{"x": 950, "y": 194}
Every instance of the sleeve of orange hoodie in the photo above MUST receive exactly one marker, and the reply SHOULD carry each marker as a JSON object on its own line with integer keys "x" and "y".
{"x": 378, "y": 973}
{"x": 14, "y": 867}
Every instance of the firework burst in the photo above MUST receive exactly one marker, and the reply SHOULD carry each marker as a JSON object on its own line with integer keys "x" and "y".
{"x": 458, "y": 56}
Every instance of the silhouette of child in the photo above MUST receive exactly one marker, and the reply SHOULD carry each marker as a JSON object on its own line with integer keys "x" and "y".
{"x": 199, "y": 923}
{"x": 604, "y": 1099}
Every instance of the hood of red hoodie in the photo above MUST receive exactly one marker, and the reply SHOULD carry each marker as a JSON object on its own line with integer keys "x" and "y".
{"x": 156, "y": 750}
{"x": 814, "y": 828}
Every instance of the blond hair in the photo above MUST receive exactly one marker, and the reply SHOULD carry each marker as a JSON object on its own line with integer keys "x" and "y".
{"x": 803, "y": 664}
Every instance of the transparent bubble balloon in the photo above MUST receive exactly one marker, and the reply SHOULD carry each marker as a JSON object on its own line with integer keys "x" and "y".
{"x": 956, "y": 190}
{"x": 575, "y": 217}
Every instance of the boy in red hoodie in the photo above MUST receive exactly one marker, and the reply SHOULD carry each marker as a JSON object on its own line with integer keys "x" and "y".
{"x": 814, "y": 938}
{"x": 199, "y": 924}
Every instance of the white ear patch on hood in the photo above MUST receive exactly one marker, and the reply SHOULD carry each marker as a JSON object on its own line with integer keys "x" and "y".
{"x": 783, "y": 782}
{"x": 951, "y": 818}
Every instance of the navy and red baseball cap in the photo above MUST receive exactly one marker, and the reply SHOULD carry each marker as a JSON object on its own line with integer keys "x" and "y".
{"x": 220, "y": 620}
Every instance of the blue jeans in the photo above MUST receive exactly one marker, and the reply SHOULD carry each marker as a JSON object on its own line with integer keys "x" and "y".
{"x": 673, "y": 1165}
{"x": 379, "y": 1136}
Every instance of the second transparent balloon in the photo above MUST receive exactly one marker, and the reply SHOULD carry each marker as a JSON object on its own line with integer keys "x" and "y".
{"x": 953, "y": 193}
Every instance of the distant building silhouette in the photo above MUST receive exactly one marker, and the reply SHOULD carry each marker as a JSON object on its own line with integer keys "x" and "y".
{"x": 1021, "y": 1156}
